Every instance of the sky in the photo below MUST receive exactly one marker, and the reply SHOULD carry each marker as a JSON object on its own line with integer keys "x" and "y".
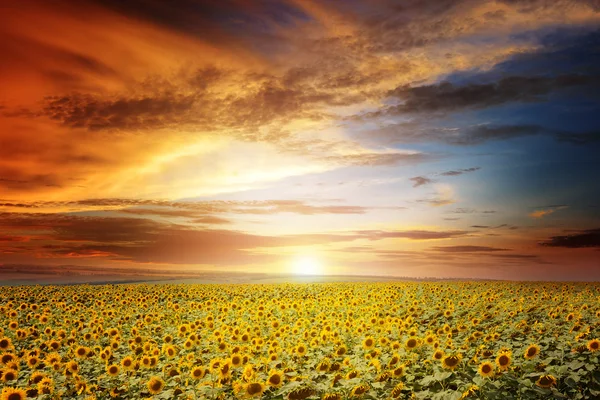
{"x": 451, "y": 139}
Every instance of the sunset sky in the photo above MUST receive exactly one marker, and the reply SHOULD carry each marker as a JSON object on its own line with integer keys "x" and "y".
{"x": 405, "y": 138}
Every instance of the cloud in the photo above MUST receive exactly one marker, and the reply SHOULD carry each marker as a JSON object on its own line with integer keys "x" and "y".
{"x": 420, "y": 181}
{"x": 460, "y": 171}
{"x": 448, "y": 97}
{"x": 413, "y": 234}
{"x": 140, "y": 240}
{"x": 545, "y": 211}
{"x": 378, "y": 159}
{"x": 196, "y": 209}
{"x": 583, "y": 239}
{"x": 466, "y": 249}
{"x": 443, "y": 195}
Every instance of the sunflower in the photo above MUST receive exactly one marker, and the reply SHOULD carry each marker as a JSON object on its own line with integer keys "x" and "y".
{"x": 323, "y": 366}
{"x": 341, "y": 350}
{"x": 368, "y": 343}
{"x": 248, "y": 373}
{"x": 352, "y": 374}
{"x": 532, "y": 351}
{"x": 438, "y": 355}
{"x": 54, "y": 344}
{"x": 359, "y": 390}
{"x": 7, "y": 358}
{"x": 225, "y": 369}
{"x": 198, "y": 372}
{"x": 169, "y": 351}
{"x": 155, "y": 385}
{"x": 80, "y": 386}
{"x": 113, "y": 370}
{"x": 275, "y": 379}
{"x": 469, "y": 392}
{"x": 127, "y": 363}
{"x": 236, "y": 360}
{"x": 46, "y": 386}
{"x": 503, "y": 360}
{"x": 72, "y": 367}
{"x": 36, "y": 377}
{"x": 5, "y": 343}
{"x": 32, "y": 361}
{"x": 397, "y": 391}
{"x": 546, "y": 381}
{"x": 9, "y": 393}
{"x": 395, "y": 359}
{"x": 450, "y": 362}
{"x": 145, "y": 362}
{"x": 301, "y": 349}
{"x": 398, "y": 371}
{"x": 254, "y": 389}
{"x": 81, "y": 351}
{"x": 301, "y": 393}
{"x": 486, "y": 369}
{"x": 593, "y": 345}
{"x": 412, "y": 343}
{"x": 9, "y": 374}
{"x": 331, "y": 396}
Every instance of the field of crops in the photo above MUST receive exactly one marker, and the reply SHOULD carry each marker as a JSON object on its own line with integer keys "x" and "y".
{"x": 457, "y": 340}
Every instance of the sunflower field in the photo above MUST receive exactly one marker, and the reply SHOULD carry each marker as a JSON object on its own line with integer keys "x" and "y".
{"x": 330, "y": 341}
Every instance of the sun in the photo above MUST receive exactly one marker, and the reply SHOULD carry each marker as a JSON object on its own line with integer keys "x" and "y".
{"x": 307, "y": 265}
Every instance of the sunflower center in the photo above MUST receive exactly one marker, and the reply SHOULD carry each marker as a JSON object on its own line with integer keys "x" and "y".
{"x": 254, "y": 388}
{"x": 452, "y": 361}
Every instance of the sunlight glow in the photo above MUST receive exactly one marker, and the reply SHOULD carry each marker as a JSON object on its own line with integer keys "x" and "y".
{"x": 306, "y": 265}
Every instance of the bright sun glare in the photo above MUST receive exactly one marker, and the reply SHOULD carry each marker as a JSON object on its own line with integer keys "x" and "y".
{"x": 307, "y": 265}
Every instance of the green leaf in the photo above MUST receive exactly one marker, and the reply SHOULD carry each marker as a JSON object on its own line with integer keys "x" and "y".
{"x": 576, "y": 364}
{"x": 440, "y": 376}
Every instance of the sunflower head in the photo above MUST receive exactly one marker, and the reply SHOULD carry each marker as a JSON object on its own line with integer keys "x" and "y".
{"x": 359, "y": 390}
{"x": 593, "y": 345}
{"x": 113, "y": 370}
{"x": 300, "y": 393}
{"x": 486, "y": 369}
{"x": 5, "y": 343}
{"x": 438, "y": 355}
{"x": 397, "y": 391}
{"x": 275, "y": 379}
{"x": 450, "y": 362}
{"x": 412, "y": 343}
{"x": 254, "y": 389}
{"x": 503, "y": 360}
{"x": 9, "y": 393}
{"x": 532, "y": 351}
{"x": 9, "y": 374}
{"x": 155, "y": 385}
{"x": 546, "y": 381}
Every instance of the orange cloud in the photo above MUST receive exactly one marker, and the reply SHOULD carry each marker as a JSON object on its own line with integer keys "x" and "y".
{"x": 541, "y": 213}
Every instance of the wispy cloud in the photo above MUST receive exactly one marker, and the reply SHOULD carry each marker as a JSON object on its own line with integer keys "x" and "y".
{"x": 466, "y": 249}
{"x": 586, "y": 238}
{"x": 545, "y": 211}
{"x": 420, "y": 181}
